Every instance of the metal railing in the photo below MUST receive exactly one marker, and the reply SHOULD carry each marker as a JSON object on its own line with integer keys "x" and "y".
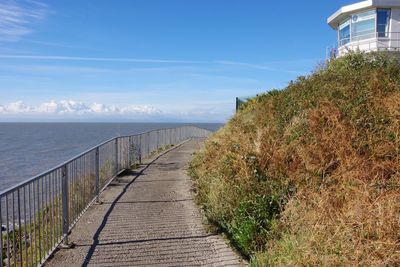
{"x": 377, "y": 41}
{"x": 37, "y": 215}
{"x": 240, "y": 101}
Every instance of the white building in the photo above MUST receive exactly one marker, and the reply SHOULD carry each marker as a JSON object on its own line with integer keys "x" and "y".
{"x": 372, "y": 25}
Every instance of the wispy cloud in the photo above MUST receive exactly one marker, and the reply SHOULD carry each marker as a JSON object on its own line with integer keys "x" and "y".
{"x": 260, "y": 66}
{"x": 101, "y": 59}
{"x": 48, "y": 69}
{"x": 255, "y": 66}
{"x": 16, "y": 18}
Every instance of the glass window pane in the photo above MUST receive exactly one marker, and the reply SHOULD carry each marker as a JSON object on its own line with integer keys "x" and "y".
{"x": 363, "y": 25}
{"x": 364, "y": 16}
{"x": 383, "y": 18}
{"x": 344, "y": 32}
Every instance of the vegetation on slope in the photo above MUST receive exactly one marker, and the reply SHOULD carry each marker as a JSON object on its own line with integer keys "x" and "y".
{"x": 309, "y": 175}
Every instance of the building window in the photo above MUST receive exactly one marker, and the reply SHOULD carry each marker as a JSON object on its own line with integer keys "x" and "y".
{"x": 363, "y": 25}
{"x": 344, "y": 32}
{"x": 382, "y": 22}
{"x": 366, "y": 25}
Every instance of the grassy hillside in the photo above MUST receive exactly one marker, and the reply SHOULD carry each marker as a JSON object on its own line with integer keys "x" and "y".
{"x": 309, "y": 175}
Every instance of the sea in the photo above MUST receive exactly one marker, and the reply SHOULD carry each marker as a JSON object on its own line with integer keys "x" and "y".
{"x": 28, "y": 149}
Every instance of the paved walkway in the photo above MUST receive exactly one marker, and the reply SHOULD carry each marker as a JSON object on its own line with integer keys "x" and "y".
{"x": 148, "y": 217}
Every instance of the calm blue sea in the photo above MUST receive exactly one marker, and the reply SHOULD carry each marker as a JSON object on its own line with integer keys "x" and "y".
{"x": 28, "y": 149}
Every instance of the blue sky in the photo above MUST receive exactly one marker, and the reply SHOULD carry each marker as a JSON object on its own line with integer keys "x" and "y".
{"x": 152, "y": 60}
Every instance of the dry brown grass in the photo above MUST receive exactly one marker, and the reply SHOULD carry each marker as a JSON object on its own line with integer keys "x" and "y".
{"x": 326, "y": 149}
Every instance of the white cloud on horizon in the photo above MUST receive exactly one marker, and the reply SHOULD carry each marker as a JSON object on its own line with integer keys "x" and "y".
{"x": 16, "y": 19}
{"x": 71, "y": 107}
{"x": 70, "y": 110}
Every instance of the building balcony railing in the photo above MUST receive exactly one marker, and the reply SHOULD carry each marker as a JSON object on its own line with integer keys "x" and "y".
{"x": 379, "y": 41}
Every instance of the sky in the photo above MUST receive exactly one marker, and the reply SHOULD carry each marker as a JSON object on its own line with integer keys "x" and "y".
{"x": 153, "y": 60}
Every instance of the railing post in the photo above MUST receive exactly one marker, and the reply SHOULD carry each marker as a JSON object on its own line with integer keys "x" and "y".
{"x": 158, "y": 140}
{"x": 148, "y": 144}
{"x": 97, "y": 176}
{"x": 140, "y": 149}
{"x": 116, "y": 155}
{"x": 129, "y": 152}
{"x": 65, "y": 200}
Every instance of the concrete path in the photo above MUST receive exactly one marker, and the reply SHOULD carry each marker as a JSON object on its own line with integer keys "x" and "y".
{"x": 148, "y": 217}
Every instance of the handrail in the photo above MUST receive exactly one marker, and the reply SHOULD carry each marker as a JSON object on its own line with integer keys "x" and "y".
{"x": 243, "y": 99}
{"x": 78, "y": 156}
{"x": 37, "y": 214}
{"x": 376, "y": 41}
{"x": 361, "y": 37}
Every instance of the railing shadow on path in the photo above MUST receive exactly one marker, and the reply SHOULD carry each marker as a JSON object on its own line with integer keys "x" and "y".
{"x": 96, "y": 241}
